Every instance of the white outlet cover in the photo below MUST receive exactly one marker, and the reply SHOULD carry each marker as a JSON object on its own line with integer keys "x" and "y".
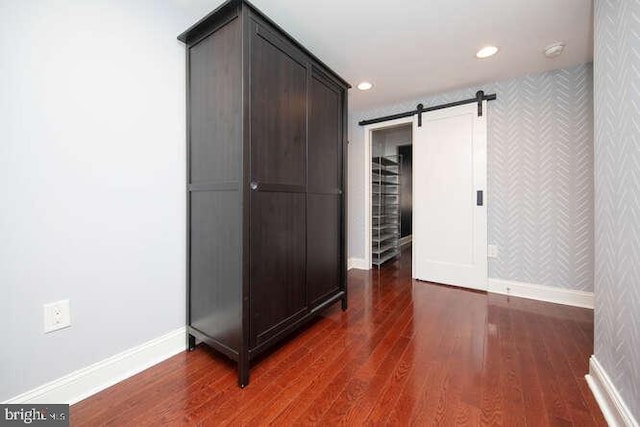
{"x": 492, "y": 251}
{"x": 57, "y": 315}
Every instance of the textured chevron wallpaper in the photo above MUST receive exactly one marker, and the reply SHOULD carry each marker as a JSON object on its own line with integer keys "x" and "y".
{"x": 617, "y": 206}
{"x": 540, "y": 176}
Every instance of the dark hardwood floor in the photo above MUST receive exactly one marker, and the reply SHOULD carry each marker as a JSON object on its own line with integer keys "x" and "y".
{"x": 405, "y": 352}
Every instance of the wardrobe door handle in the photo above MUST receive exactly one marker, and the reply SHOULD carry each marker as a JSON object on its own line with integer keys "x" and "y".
{"x": 479, "y": 201}
{"x": 253, "y": 185}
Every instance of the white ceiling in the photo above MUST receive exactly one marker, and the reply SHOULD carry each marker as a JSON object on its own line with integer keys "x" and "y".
{"x": 416, "y": 48}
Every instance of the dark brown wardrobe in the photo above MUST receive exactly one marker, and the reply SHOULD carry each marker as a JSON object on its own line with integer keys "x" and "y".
{"x": 266, "y": 183}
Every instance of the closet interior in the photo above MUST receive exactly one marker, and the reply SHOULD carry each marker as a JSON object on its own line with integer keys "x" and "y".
{"x": 391, "y": 189}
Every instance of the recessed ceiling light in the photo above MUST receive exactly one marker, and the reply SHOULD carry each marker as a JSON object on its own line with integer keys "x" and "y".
{"x": 365, "y": 85}
{"x": 553, "y": 50}
{"x": 486, "y": 52}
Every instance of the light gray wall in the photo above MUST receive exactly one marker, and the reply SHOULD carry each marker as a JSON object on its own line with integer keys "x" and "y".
{"x": 92, "y": 180}
{"x": 395, "y": 137}
{"x": 617, "y": 208}
{"x": 386, "y": 141}
{"x": 540, "y": 176}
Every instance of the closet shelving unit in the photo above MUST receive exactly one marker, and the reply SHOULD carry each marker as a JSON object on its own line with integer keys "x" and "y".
{"x": 385, "y": 208}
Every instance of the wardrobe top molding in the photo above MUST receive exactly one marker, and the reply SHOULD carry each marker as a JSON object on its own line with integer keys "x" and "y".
{"x": 232, "y": 9}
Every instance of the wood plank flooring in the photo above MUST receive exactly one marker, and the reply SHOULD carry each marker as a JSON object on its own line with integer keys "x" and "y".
{"x": 404, "y": 353}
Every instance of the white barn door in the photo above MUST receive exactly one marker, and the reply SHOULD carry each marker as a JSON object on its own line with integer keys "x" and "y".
{"x": 449, "y": 197}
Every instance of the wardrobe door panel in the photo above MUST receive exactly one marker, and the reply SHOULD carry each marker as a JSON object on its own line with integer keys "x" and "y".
{"x": 278, "y": 180}
{"x": 324, "y": 198}
{"x": 278, "y": 294}
{"x": 278, "y": 111}
{"x": 325, "y": 135}
{"x": 323, "y": 246}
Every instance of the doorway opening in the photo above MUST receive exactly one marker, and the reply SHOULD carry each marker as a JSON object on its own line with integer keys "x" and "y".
{"x": 388, "y": 190}
{"x": 391, "y": 166}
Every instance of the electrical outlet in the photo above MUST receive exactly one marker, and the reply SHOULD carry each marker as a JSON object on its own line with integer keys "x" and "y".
{"x": 492, "y": 251}
{"x": 56, "y": 316}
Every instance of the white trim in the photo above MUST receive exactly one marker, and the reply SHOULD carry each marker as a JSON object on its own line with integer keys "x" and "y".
{"x": 368, "y": 129}
{"x": 542, "y": 293}
{"x": 87, "y": 381}
{"x": 615, "y": 411}
{"x": 357, "y": 263}
{"x": 406, "y": 240}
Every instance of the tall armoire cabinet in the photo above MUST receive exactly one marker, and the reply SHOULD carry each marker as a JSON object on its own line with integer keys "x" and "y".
{"x": 266, "y": 183}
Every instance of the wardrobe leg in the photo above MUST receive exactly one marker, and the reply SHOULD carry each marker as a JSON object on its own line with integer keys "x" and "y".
{"x": 191, "y": 342}
{"x": 344, "y": 303}
{"x": 243, "y": 372}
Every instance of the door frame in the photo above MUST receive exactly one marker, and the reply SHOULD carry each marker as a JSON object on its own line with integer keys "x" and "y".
{"x": 368, "y": 139}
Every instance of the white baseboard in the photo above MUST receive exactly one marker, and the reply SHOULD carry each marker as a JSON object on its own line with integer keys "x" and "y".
{"x": 87, "y": 381}
{"x": 357, "y": 263}
{"x": 615, "y": 411}
{"x": 542, "y": 293}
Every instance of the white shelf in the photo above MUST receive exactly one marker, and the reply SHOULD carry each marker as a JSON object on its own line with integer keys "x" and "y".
{"x": 384, "y": 258}
{"x": 385, "y": 229}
